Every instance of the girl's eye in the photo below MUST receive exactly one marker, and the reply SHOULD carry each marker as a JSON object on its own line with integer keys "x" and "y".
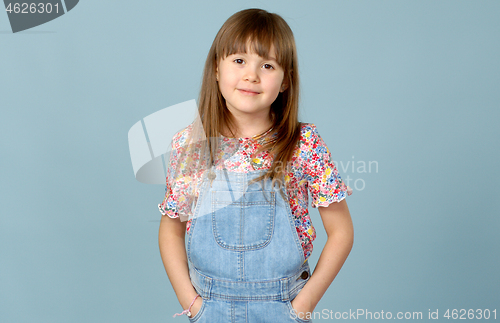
{"x": 268, "y": 66}
{"x": 238, "y": 61}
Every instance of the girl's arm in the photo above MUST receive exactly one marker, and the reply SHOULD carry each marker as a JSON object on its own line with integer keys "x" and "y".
{"x": 173, "y": 253}
{"x": 338, "y": 225}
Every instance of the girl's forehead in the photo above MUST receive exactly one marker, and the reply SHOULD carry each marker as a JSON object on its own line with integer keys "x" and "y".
{"x": 253, "y": 48}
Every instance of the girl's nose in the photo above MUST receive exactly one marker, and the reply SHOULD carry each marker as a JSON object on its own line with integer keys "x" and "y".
{"x": 251, "y": 75}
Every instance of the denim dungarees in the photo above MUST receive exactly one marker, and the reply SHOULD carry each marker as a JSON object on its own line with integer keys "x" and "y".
{"x": 245, "y": 258}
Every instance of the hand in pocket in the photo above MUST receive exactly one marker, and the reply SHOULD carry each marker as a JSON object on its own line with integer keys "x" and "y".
{"x": 196, "y": 306}
{"x": 302, "y": 310}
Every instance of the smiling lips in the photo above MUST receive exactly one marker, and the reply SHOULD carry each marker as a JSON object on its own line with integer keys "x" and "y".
{"x": 248, "y": 92}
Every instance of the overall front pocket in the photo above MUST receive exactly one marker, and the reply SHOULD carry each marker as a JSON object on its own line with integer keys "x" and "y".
{"x": 243, "y": 221}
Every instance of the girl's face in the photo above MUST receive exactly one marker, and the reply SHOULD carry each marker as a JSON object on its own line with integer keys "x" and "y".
{"x": 250, "y": 83}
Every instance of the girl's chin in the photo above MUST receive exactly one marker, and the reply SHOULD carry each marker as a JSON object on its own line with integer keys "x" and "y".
{"x": 249, "y": 110}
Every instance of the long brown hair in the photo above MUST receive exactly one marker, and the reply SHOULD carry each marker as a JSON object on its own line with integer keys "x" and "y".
{"x": 262, "y": 30}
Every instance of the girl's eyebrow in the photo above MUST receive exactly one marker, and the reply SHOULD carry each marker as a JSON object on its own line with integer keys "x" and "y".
{"x": 271, "y": 58}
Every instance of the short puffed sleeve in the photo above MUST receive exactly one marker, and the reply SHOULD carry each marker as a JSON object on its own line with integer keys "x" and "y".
{"x": 179, "y": 180}
{"x": 324, "y": 182}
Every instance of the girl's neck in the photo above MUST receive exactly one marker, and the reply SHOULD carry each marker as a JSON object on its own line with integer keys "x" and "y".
{"x": 251, "y": 127}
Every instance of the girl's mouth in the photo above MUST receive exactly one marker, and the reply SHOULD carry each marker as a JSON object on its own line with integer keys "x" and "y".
{"x": 247, "y": 92}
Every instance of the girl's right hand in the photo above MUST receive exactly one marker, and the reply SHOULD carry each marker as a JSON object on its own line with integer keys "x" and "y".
{"x": 196, "y": 306}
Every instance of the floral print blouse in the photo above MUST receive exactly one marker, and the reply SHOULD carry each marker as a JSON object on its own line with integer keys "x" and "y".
{"x": 311, "y": 170}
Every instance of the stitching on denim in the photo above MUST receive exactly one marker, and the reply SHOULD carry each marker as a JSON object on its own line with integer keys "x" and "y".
{"x": 284, "y": 289}
{"x": 298, "y": 287}
{"x": 278, "y": 289}
{"x": 297, "y": 319}
{"x": 276, "y": 297}
{"x": 255, "y": 246}
{"x": 246, "y": 312}
{"x": 228, "y": 203}
{"x": 295, "y": 235}
{"x": 242, "y": 228}
{"x": 232, "y": 312}
{"x": 243, "y": 265}
{"x": 208, "y": 281}
{"x": 193, "y": 220}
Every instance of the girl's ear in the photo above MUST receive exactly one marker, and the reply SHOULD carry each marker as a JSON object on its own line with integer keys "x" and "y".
{"x": 217, "y": 73}
{"x": 284, "y": 86}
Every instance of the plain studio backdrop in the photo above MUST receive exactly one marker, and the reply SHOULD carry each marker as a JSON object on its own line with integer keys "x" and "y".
{"x": 410, "y": 88}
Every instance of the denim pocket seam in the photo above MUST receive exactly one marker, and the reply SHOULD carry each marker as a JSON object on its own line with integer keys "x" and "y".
{"x": 271, "y": 208}
{"x": 200, "y": 311}
{"x": 296, "y": 318}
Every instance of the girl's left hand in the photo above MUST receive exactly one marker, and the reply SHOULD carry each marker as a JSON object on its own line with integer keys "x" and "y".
{"x": 302, "y": 308}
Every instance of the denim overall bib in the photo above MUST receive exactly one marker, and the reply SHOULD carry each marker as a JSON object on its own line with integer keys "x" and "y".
{"x": 245, "y": 258}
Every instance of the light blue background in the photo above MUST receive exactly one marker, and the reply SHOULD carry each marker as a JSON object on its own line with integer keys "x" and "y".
{"x": 412, "y": 85}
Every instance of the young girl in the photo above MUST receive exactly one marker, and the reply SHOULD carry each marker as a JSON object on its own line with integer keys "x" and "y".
{"x": 241, "y": 175}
